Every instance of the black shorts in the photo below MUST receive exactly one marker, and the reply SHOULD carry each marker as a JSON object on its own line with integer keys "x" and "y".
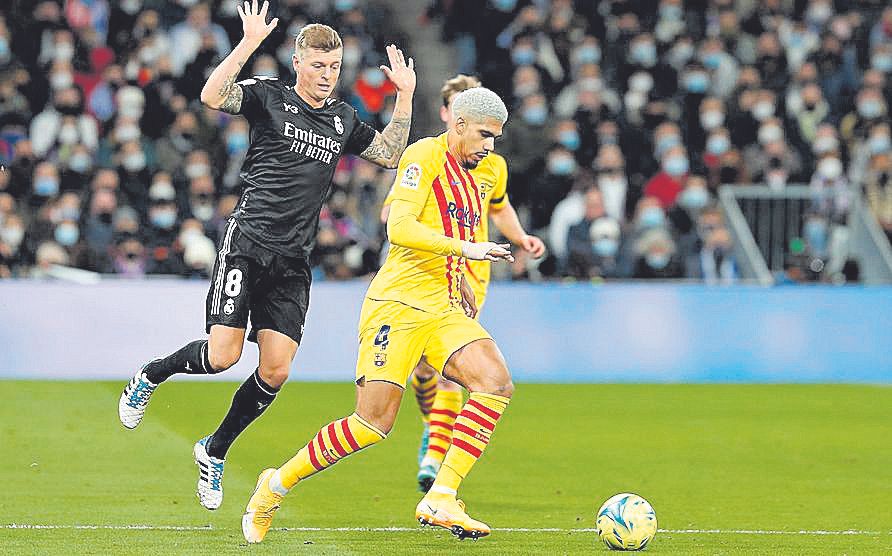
{"x": 252, "y": 281}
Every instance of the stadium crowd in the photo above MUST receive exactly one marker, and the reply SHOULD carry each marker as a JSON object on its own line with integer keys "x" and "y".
{"x": 626, "y": 117}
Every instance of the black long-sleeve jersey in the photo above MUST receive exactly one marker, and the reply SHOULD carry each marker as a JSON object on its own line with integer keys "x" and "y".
{"x": 290, "y": 163}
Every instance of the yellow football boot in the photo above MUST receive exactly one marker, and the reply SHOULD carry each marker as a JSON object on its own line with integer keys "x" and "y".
{"x": 447, "y": 512}
{"x": 261, "y": 507}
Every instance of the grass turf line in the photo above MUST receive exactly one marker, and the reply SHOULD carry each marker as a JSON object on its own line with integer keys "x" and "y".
{"x": 728, "y": 457}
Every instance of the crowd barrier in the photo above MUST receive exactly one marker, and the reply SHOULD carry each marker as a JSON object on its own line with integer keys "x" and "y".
{"x": 548, "y": 333}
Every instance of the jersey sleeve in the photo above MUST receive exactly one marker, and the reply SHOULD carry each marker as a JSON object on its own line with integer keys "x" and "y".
{"x": 499, "y": 197}
{"x": 361, "y": 136}
{"x": 255, "y": 92}
{"x": 413, "y": 185}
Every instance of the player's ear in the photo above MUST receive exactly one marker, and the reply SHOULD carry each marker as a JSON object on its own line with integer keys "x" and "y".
{"x": 444, "y": 114}
{"x": 461, "y": 125}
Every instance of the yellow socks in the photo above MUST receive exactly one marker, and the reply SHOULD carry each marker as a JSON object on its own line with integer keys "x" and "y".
{"x": 445, "y": 409}
{"x": 334, "y": 442}
{"x": 425, "y": 390}
{"x": 470, "y": 435}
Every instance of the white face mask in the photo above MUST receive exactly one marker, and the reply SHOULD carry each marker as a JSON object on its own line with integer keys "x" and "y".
{"x": 770, "y": 134}
{"x": 68, "y": 134}
{"x": 712, "y": 119}
{"x": 61, "y": 80}
{"x": 64, "y": 51}
{"x": 127, "y": 133}
{"x": 12, "y": 236}
{"x": 197, "y": 170}
{"x": 830, "y": 168}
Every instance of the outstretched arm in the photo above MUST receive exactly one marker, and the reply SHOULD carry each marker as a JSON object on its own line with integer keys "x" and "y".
{"x": 505, "y": 219}
{"x": 389, "y": 144}
{"x": 221, "y": 92}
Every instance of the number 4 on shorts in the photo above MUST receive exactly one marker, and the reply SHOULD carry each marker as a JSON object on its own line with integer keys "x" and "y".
{"x": 381, "y": 338}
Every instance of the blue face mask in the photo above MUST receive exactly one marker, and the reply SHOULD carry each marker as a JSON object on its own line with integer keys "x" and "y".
{"x": 534, "y": 115}
{"x": 881, "y": 62}
{"x": 696, "y": 82}
{"x": 569, "y": 139}
{"x": 344, "y": 5}
{"x": 46, "y": 187}
{"x": 652, "y": 217}
{"x": 879, "y": 144}
{"x": 657, "y": 261}
{"x": 70, "y": 213}
{"x": 815, "y": 232}
{"x": 665, "y": 143}
{"x": 163, "y": 219}
{"x": 80, "y": 163}
{"x": 712, "y": 60}
{"x": 718, "y": 144}
{"x": 588, "y": 55}
{"x": 676, "y": 166}
{"x": 66, "y": 234}
{"x": 693, "y": 198}
{"x": 374, "y": 77}
{"x": 606, "y": 247}
{"x": 4, "y": 49}
{"x": 870, "y": 109}
{"x": 236, "y": 142}
{"x": 523, "y": 56}
{"x": 504, "y": 5}
{"x": 644, "y": 53}
{"x": 561, "y": 165}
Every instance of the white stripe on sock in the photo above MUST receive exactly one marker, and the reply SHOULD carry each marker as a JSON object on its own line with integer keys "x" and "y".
{"x": 443, "y": 490}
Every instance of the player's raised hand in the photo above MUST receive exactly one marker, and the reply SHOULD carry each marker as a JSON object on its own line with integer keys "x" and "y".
{"x": 254, "y": 25}
{"x": 487, "y": 251}
{"x": 533, "y": 245}
{"x": 400, "y": 73}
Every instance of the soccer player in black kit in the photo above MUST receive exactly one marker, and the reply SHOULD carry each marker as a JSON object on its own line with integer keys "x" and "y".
{"x": 298, "y": 133}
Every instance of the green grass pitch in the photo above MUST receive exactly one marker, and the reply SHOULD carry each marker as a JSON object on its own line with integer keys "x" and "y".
{"x": 744, "y": 462}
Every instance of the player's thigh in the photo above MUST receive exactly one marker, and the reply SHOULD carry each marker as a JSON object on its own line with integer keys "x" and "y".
{"x": 235, "y": 272}
{"x": 281, "y": 299}
{"x": 479, "y": 366}
{"x": 276, "y": 354}
{"x": 378, "y": 402}
{"x": 391, "y": 340}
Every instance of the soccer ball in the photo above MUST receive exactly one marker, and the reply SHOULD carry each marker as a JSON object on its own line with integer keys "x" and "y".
{"x": 626, "y": 522}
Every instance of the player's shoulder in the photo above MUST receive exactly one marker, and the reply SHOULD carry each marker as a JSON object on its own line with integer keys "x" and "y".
{"x": 426, "y": 149}
{"x": 261, "y": 81}
{"x": 495, "y": 163}
{"x": 338, "y": 106}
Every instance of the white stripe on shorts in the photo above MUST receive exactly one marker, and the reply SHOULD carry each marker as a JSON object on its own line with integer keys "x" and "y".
{"x": 221, "y": 271}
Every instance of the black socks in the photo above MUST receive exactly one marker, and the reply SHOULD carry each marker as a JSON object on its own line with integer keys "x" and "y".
{"x": 191, "y": 359}
{"x": 249, "y": 402}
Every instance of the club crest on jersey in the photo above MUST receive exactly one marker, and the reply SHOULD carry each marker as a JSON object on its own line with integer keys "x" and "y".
{"x": 380, "y": 359}
{"x": 411, "y": 176}
{"x": 339, "y": 127}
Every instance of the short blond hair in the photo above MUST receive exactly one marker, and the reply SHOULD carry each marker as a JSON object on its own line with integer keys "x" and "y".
{"x": 457, "y": 84}
{"x": 318, "y": 36}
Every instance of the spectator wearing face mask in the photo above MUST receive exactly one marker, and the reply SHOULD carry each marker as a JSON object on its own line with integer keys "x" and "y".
{"x": 12, "y": 235}
{"x": 552, "y": 186}
{"x": 668, "y": 183}
{"x": 187, "y": 37}
{"x": 523, "y": 145}
{"x": 592, "y": 243}
{"x": 693, "y": 199}
{"x": 876, "y": 142}
{"x": 656, "y": 256}
{"x": 99, "y": 230}
{"x": 642, "y": 57}
{"x": 870, "y": 110}
{"x": 713, "y": 261}
{"x": 133, "y": 172}
{"x": 610, "y": 176}
{"x": 63, "y": 124}
{"x": 806, "y": 113}
{"x": 181, "y": 139}
{"x": 44, "y": 185}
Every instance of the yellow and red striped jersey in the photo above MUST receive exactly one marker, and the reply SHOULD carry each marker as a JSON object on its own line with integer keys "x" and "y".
{"x": 491, "y": 177}
{"x": 448, "y": 201}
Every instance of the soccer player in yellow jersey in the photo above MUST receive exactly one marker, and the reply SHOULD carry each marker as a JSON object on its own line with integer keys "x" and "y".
{"x": 439, "y": 399}
{"x": 418, "y": 306}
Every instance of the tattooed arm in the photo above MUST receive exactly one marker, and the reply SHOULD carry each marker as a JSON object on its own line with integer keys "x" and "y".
{"x": 221, "y": 92}
{"x": 388, "y": 145}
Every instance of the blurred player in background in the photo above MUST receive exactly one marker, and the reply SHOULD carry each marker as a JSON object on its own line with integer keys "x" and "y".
{"x": 298, "y": 134}
{"x": 440, "y": 399}
{"x": 420, "y": 306}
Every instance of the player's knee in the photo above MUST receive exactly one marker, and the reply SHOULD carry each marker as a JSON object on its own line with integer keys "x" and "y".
{"x": 275, "y": 374}
{"x": 497, "y": 382}
{"x": 222, "y": 358}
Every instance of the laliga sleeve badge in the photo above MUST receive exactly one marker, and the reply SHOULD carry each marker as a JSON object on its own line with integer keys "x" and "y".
{"x": 411, "y": 176}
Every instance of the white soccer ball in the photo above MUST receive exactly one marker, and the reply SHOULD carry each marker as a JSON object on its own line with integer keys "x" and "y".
{"x": 626, "y": 522}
